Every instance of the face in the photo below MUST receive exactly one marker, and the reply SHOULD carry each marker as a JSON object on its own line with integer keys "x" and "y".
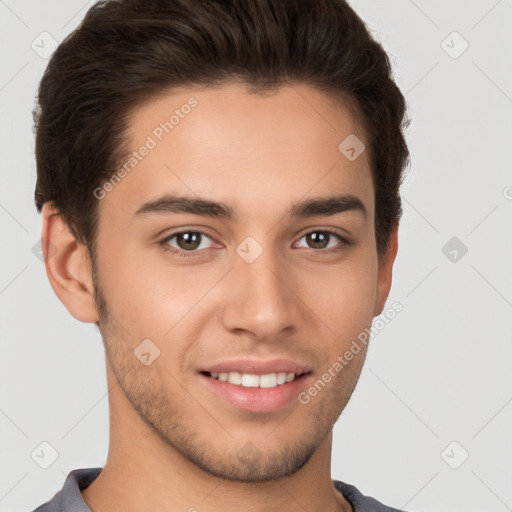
{"x": 242, "y": 236}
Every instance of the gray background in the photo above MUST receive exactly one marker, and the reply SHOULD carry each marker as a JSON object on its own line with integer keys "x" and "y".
{"x": 437, "y": 385}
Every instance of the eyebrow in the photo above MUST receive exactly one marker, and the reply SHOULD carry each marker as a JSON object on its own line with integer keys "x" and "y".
{"x": 330, "y": 205}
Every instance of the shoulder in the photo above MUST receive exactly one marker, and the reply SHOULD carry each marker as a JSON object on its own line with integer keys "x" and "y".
{"x": 360, "y": 502}
{"x": 69, "y": 498}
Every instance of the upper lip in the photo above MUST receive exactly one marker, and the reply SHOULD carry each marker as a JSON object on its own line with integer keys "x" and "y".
{"x": 258, "y": 366}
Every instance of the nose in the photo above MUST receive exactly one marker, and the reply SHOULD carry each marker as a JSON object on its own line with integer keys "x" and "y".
{"x": 259, "y": 298}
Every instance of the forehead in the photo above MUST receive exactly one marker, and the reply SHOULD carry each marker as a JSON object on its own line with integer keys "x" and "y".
{"x": 243, "y": 148}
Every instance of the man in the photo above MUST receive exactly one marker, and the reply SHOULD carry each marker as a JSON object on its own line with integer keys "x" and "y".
{"x": 219, "y": 183}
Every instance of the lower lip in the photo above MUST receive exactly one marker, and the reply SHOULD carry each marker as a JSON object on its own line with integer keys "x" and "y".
{"x": 258, "y": 399}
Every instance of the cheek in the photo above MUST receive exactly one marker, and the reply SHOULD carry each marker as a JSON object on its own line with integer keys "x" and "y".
{"x": 149, "y": 297}
{"x": 343, "y": 296}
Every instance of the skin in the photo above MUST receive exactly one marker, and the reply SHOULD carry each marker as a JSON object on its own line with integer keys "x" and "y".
{"x": 174, "y": 444}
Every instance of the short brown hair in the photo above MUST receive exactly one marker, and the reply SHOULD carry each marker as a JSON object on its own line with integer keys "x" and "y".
{"x": 125, "y": 52}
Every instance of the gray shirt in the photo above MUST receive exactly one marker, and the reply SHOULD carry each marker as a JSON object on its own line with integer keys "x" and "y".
{"x": 69, "y": 498}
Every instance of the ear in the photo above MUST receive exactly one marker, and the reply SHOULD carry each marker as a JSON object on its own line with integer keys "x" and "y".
{"x": 385, "y": 272}
{"x": 68, "y": 266}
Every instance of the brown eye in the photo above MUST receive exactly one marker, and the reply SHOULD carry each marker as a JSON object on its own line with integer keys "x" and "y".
{"x": 318, "y": 239}
{"x": 188, "y": 241}
{"x": 322, "y": 239}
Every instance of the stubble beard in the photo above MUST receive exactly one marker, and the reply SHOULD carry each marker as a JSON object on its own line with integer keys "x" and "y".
{"x": 246, "y": 461}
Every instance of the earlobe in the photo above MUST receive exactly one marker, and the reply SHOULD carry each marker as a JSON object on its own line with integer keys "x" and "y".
{"x": 385, "y": 273}
{"x": 68, "y": 266}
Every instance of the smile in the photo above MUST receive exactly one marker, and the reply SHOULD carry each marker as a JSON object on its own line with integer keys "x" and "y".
{"x": 251, "y": 380}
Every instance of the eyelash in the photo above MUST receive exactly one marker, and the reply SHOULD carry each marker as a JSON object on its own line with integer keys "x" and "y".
{"x": 344, "y": 243}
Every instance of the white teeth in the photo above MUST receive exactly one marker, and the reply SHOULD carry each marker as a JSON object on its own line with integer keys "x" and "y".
{"x": 268, "y": 381}
{"x": 249, "y": 380}
{"x": 234, "y": 378}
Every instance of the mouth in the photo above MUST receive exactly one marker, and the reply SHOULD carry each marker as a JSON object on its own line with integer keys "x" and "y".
{"x": 253, "y": 380}
{"x": 256, "y": 393}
